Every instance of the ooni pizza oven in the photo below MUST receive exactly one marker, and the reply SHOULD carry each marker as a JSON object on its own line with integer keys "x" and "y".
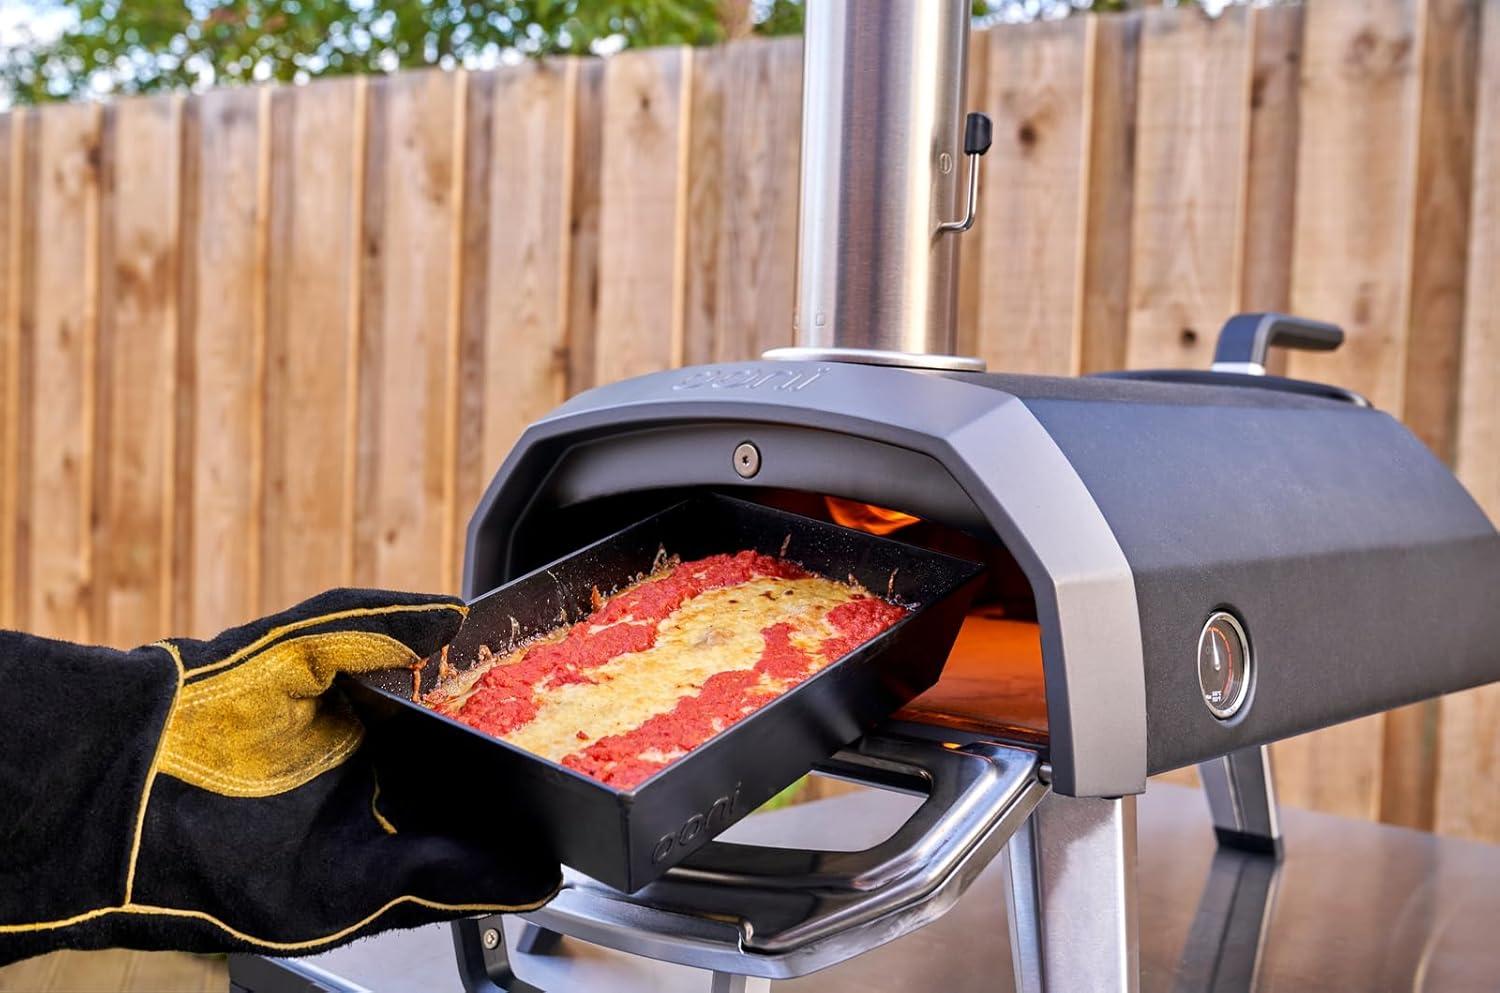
{"x": 1183, "y": 566}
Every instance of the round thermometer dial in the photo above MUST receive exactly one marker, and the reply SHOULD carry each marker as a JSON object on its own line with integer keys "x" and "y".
{"x": 1223, "y": 665}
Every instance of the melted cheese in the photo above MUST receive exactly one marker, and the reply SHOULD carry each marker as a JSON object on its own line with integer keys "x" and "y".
{"x": 719, "y": 630}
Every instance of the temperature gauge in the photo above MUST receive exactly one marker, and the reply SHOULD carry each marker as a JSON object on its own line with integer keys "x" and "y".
{"x": 1223, "y": 664}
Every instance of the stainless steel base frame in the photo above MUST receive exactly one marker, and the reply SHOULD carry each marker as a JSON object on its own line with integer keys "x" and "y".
{"x": 1071, "y": 893}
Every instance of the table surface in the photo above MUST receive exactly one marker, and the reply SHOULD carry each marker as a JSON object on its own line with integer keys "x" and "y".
{"x": 1354, "y": 907}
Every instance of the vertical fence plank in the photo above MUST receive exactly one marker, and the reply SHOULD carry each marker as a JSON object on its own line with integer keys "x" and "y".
{"x": 1104, "y": 307}
{"x": 409, "y": 317}
{"x": 522, "y": 351}
{"x": 758, "y": 233}
{"x": 137, "y": 365}
{"x": 583, "y": 266}
{"x": 1354, "y": 190}
{"x": 59, "y": 332}
{"x": 1356, "y": 159}
{"x": 311, "y": 272}
{"x": 221, "y": 359}
{"x": 1191, "y": 143}
{"x": 1437, "y": 270}
{"x": 1271, "y": 170}
{"x": 12, "y": 127}
{"x": 642, "y": 251}
{"x": 1468, "y": 801}
{"x": 481, "y": 145}
{"x": 1032, "y": 208}
{"x": 706, "y": 183}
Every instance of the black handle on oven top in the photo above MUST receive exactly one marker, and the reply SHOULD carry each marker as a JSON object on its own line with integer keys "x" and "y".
{"x": 1245, "y": 339}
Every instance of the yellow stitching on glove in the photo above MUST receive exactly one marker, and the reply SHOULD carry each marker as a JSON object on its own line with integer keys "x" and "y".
{"x": 284, "y": 946}
{"x": 266, "y": 727}
{"x": 385, "y": 824}
{"x": 140, "y": 814}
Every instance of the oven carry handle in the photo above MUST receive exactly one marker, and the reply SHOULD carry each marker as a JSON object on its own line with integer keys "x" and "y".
{"x": 1245, "y": 340}
{"x": 778, "y": 912}
{"x": 967, "y": 790}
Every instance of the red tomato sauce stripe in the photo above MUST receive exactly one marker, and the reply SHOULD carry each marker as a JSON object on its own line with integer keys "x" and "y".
{"x": 505, "y": 698}
{"x": 728, "y": 697}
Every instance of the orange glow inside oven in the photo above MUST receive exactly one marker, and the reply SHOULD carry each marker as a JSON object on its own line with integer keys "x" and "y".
{"x": 867, "y": 517}
{"x": 992, "y": 681}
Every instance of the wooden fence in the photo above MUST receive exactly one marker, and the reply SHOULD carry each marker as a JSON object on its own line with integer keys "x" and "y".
{"x": 260, "y": 342}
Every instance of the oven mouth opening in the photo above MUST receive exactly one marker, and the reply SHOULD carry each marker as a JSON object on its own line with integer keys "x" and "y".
{"x": 992, "y": 683}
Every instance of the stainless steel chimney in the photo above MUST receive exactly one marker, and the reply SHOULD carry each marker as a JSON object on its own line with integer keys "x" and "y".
{"x": 882, "y": 168}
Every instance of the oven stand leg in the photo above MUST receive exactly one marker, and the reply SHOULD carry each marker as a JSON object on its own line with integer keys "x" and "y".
{"x": 483, "y": 965}
{"x": 1242, "y": 799}
{"x": 728, "y": 982}
{"x": 1070, "y": 875}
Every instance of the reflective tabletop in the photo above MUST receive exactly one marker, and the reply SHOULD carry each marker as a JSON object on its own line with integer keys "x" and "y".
{"x": 1354, "y": 907}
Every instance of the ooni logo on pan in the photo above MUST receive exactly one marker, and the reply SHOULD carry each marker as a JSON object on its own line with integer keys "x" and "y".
{"x": 718, "y": 816}
{"x": 754, "y": 378}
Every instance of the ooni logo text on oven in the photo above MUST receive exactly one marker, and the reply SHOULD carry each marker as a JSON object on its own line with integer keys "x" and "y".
{"x": 750, "y": 379}
{"x": 716, "y": 817}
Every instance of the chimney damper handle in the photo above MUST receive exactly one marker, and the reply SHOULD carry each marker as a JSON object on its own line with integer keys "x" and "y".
{"x": 978, "y": 133}
{"x": 1245, "y": 340}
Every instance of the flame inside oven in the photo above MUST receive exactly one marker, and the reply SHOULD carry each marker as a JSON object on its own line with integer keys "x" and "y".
{"x": 867, "y": 517}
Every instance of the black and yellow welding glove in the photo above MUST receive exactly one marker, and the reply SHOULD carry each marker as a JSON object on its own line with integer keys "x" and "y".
{"x": 214, "y": 795}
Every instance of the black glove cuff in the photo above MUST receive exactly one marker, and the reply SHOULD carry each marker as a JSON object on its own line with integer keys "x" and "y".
{"x": 79, "y": 737}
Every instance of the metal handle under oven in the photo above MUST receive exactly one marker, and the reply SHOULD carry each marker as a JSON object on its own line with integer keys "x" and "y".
{"x": 779, "y": 913}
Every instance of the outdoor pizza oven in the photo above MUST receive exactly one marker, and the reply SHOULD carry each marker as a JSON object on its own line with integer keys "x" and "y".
{"x": 1181, "y": 566}
{"x": 1358, "y": 574}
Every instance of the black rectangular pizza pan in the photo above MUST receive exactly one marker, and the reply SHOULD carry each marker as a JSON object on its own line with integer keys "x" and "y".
{"x": 628, "y": 838}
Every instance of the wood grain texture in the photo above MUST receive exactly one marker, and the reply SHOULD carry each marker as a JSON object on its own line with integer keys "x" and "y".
{"x": 58, "y": 324}
{"x": 311, "y": 272}
{"x": 222, "y": 356}
{"x": 523, "y": 349}
{"x": 473, "y": 393}
{"x": 1032, "y": 205}
{"x": 1351, "y": 255}
{"x": 1355, "y": 190}
{"x": 1437, "y": 272}
{"x": 1468, "y": 800}
{"x": 647, "y": 104}
{"x": 757, "y": 231}
{"x": 706, "y": 184}
{"x": 1192, "y": 138}
{"x": 116, "y": 970}
{"x": 135, "y": 427}
{"x": 1437, "y": 269}
{"x": 1109, "y": 205}
{"x": 1271, "y": 165}
{"x": 408, "y": 327}
{"x": 12, "y": 155}
{"x": 584, "y": 210}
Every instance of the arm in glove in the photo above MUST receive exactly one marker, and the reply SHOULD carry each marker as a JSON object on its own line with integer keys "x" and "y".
{"x": 213, "y": 796}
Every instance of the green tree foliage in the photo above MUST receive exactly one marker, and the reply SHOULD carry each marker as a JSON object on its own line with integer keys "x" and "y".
{"x": 136, "y": 46}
